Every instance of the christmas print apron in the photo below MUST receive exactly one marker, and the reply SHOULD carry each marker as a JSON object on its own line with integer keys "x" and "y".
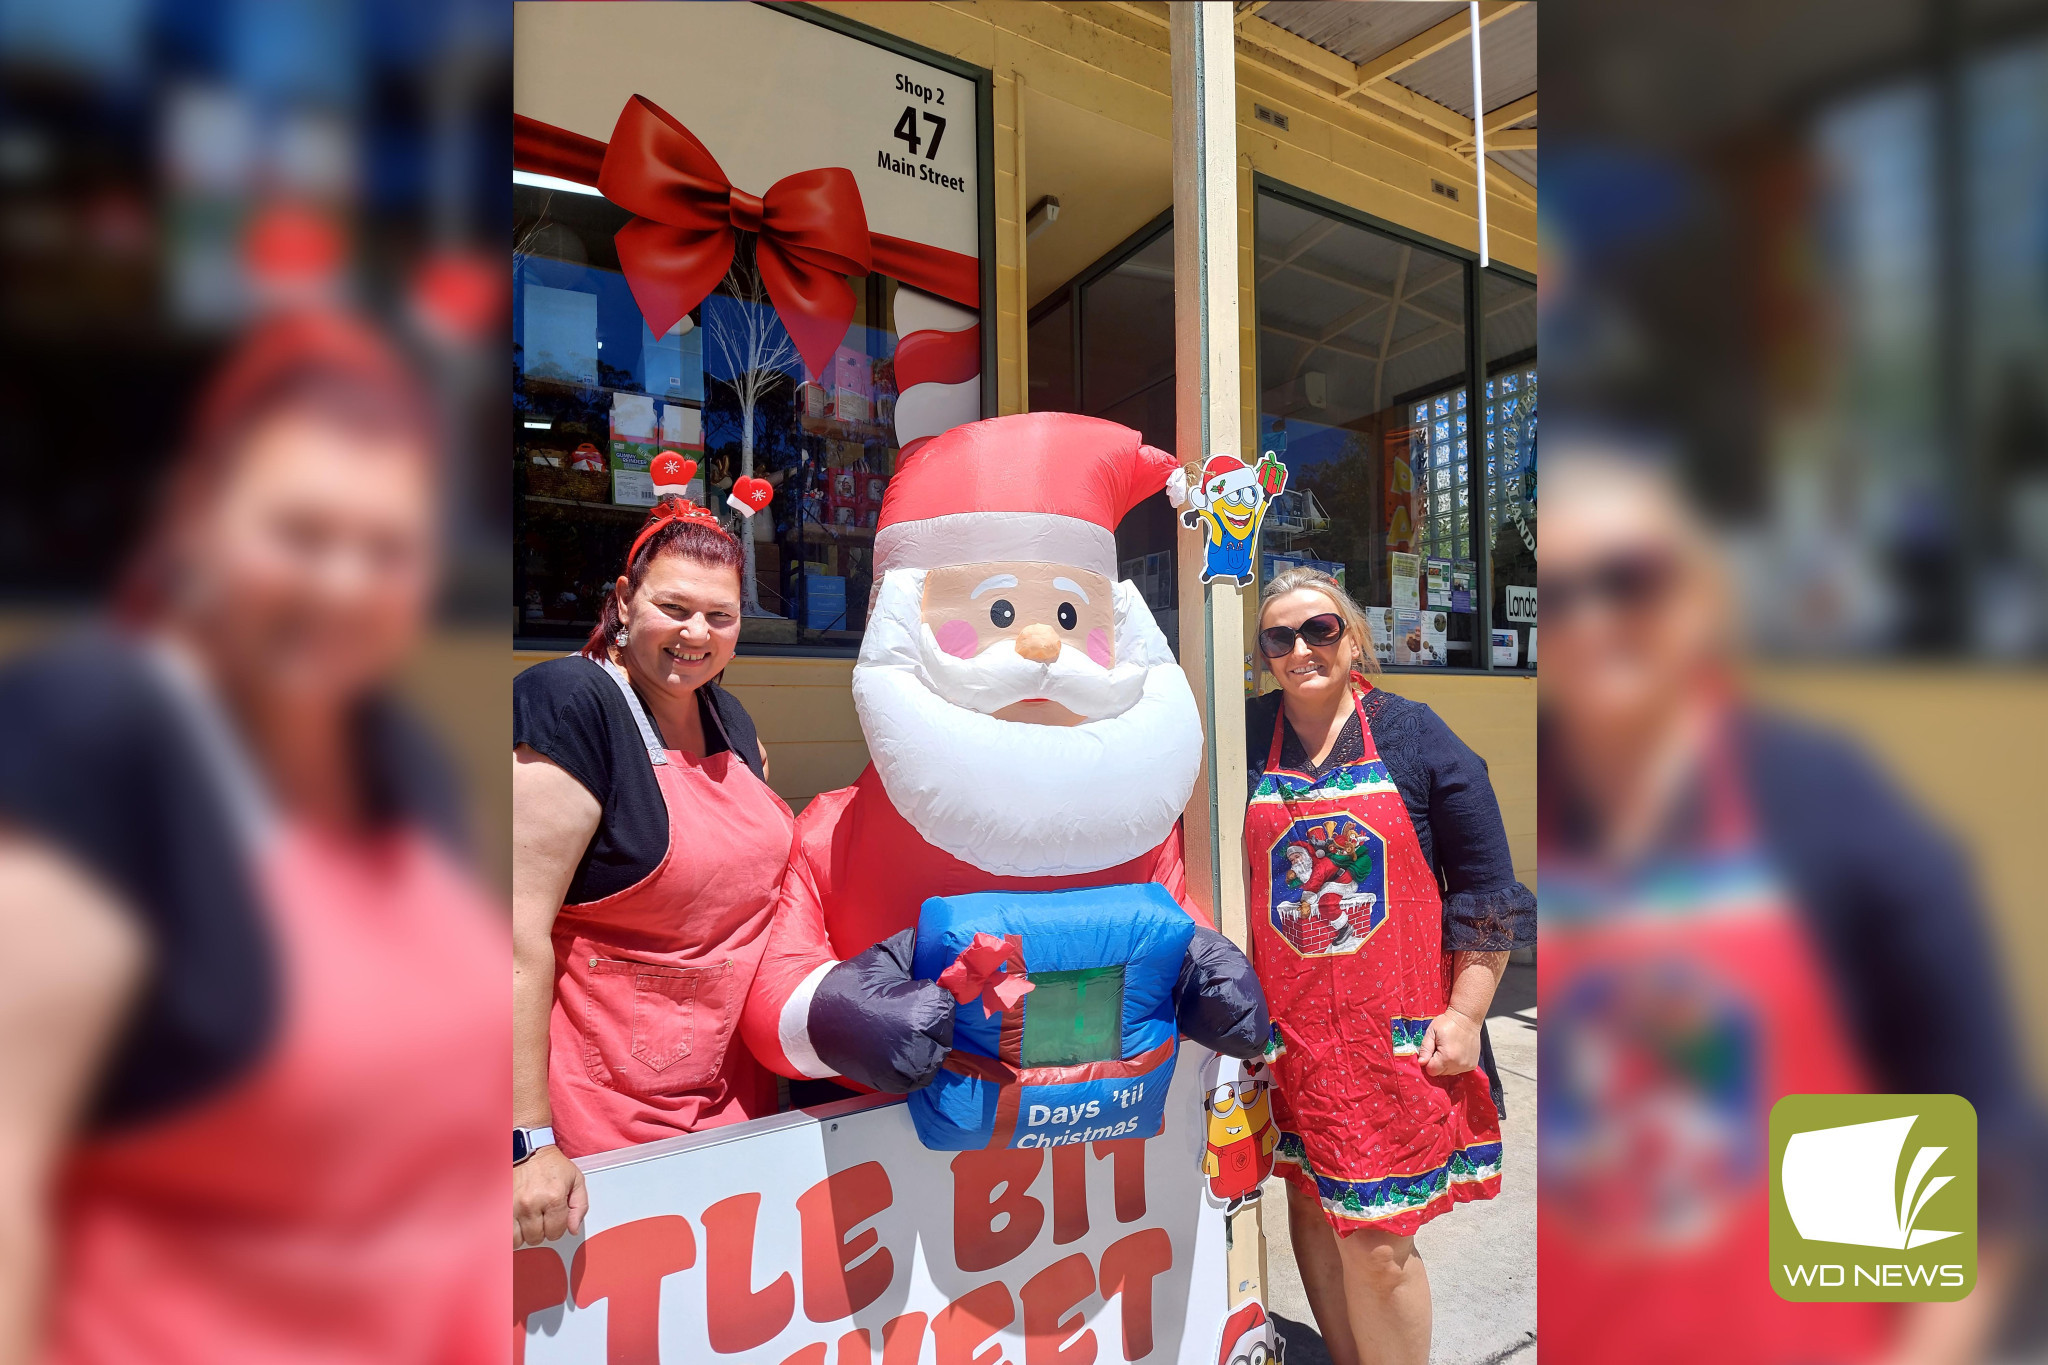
{"x": 1348, "y": 940}
{"x": 649, "y": 981}
{"x": 1679, "y": 1002}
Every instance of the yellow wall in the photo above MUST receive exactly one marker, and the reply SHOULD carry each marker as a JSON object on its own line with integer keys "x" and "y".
{"x": 1966, "y": 746}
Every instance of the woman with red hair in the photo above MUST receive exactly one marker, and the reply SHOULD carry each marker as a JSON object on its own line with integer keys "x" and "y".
{"x": 249, "y": 977}
{"x": 647, "y": 850}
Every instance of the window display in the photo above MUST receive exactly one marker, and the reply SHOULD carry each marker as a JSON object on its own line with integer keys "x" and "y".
{"x": 730, "y": 264}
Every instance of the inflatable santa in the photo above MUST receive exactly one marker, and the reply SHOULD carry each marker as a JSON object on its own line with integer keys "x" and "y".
{"x": 1029, "y": 730}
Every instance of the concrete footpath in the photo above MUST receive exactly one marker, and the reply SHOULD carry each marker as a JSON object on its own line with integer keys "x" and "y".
{"x": 1481, "y": 1256}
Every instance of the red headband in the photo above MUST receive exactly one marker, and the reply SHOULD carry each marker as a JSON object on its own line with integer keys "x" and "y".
{"x": 673, "y": 510}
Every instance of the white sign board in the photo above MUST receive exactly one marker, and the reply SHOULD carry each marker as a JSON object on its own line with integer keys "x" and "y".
{"x": 1521, "y": 604}
{"x": 832, "y": 1236}
{"x": 769, "y": 95}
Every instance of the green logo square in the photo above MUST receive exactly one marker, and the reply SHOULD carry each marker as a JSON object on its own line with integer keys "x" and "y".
{"x": 1873, "y": 1198}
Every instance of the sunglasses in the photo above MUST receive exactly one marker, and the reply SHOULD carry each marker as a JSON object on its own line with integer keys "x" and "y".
{"x": 1630, "y": 582}
{"x": 1277, "y": 642}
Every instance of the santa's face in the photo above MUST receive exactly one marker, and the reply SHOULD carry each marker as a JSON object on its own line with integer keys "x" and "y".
{"x": 948, "y": 687}
{"x": 1037, "y": 611}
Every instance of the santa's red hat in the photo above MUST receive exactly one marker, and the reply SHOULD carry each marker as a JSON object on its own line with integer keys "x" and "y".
{"x": 1048, "y": 487}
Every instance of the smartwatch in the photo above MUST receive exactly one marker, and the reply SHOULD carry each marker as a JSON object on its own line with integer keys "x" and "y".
{"x": 527, "y": 1141}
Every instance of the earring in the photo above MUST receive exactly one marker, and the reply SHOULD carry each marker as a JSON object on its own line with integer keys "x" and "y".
{"x": 621, "y": 637}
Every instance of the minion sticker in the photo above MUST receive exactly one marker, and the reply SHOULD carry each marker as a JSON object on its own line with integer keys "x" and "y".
{"x": 1226, "y": 503}
{"x": 1239, "y": 1152}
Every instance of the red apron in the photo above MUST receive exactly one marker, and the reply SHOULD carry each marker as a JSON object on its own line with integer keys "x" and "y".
{"x": 1678, "y": 1004}
{"x": 341, "y": 1202}
{"x": 1348, "y": 939}
{"x": 649, "y": 981}
{"x": 336, "y": 1205}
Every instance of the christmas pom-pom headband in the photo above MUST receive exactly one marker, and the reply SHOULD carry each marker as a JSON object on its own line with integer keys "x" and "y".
{"x": 669, "y": 510}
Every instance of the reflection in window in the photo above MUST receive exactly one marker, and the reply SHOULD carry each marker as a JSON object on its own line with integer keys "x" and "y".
{"x": 1509, "y": 408}
{"x": 598, "y": 396}
{"x": 1363, "y": 374}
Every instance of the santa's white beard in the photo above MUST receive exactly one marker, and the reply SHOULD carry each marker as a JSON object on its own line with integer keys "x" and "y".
{"x": 1009, "y": 797}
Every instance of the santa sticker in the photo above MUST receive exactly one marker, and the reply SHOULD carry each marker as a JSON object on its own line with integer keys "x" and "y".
{"x": 1332, "y": 879}
{"x": 1227, "y": 502}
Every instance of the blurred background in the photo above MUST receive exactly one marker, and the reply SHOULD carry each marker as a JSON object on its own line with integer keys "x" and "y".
{"x": 1796, "y": 256}
{"x": 171, "y": 171}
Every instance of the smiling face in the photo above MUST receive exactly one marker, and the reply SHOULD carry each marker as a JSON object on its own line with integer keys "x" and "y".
{"x": 311, "y": 573}
{"x": 1038, "y": 608}
{"x": 1308, "y": 672}
{"x": 1238, "y": 510}
{"x": 682, "y": 625}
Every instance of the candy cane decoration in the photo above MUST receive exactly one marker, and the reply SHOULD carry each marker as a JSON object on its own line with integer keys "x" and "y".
{"x": 938, "y": 366}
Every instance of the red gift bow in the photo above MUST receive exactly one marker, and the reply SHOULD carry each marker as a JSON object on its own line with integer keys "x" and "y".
{"x": 681, "y": 242}
{"x": 673, "y": 508}
{"x": 992, "y": 968}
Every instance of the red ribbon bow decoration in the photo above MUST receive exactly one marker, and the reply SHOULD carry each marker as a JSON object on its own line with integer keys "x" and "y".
{"x": 992, "y": 968}
{"x": 673, "y": 508}
{"x": 813, "y": 231}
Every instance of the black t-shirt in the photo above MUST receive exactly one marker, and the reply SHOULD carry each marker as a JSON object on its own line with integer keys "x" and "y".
{"x": 569, "y": 710}
{"x": 98, "y": 758}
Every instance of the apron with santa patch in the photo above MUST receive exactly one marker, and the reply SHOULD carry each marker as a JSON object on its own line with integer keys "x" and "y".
{"x": 1347, "y": 936}
{"x": 1680, "y": 1000}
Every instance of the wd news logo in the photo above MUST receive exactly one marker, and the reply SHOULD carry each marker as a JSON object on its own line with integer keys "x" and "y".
{"x": 1873, "y": 1198}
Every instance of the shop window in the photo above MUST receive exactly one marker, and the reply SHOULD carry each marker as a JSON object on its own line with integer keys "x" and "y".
{"x": 1364, "y": 392}
{"x": 598, "y": 395}
{"x": 1509, "y": 396}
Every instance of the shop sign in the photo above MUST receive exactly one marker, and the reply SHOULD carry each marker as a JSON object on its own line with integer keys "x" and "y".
{"x": 833, "y": 1236}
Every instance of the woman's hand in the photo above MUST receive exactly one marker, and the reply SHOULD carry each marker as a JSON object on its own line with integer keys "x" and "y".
{"x": 548, "y": 1198}
{"x": 1450, "y": 1046}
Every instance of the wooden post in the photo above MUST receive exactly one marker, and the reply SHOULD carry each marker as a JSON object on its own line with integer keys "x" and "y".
{"x": 1206, "y": 422}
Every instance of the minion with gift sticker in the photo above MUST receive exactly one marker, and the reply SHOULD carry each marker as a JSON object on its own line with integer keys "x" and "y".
{"x": 1227, "y": 503}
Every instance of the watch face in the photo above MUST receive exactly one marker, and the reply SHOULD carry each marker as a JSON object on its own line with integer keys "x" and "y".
{"x": 519, "y": 1150}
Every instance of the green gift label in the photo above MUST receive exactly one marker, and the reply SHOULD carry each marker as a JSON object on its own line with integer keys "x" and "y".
{"x": 1873, "y": 1198}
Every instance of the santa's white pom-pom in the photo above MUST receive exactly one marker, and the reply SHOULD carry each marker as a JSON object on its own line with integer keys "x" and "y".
{"x": 1177, "y": 487}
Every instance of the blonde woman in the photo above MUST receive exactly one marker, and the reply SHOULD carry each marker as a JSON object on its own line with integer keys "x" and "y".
{"x": 1383, "y": 904}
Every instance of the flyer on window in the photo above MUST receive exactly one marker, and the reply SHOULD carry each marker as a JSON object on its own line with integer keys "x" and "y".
{"x": 1507, "y": 649}
{"x": 1434, "y": 626}
{"x": 1437, "y": 582}
{"x": 1379, "y": 624}
{"x": 1462, "y": 573}
{"x": 1405, "y": 572}
{"x": 1407, "y": 636}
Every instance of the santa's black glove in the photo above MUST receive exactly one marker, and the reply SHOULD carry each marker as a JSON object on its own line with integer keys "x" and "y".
{"x": 1217, "y": 1000}
{"x": 872, "y": 1022}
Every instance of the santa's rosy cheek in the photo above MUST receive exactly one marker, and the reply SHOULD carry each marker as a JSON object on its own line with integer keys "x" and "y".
{"x": 1098, "y": 647}
{"x": 958, "y": 639}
